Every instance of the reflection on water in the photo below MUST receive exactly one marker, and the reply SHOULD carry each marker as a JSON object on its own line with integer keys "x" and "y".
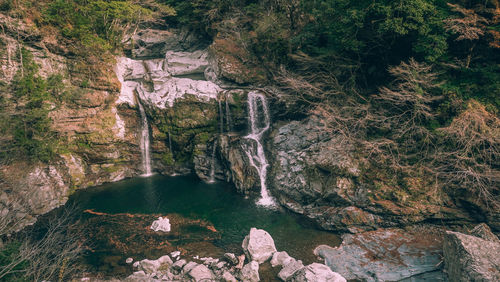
{"x": 218, "y": 204}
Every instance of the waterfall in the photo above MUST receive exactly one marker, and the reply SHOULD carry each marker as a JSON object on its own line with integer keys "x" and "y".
{"x": 259, "y": 123}
{"x": 221, "y": 118}
{"x": 144, "y": 144}
{"x": 228, "y": 115}
{"x": 212, "y": 164}
{"x": 170, "y": 145}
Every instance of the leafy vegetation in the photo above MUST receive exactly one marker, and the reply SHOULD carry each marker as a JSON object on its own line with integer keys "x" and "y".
{"x": 29, "y": 124}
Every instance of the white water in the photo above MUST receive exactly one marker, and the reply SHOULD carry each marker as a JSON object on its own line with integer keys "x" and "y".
{"x": 144, "y": 144}
{"x": 212, "y": 164}
{"x": 221, "y": 118}
{"x": 259, "y": 123}
{"x": 228, "y": 115}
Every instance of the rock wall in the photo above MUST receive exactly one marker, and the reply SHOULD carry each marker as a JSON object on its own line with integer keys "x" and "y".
{"x": 316, "y": 173}
{"x": 97, "y": 139}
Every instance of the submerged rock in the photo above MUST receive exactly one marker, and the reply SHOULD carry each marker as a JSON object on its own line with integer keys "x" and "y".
{"x": 259, "y": 245}
{"x": 316, "y": 272}
{"x": 470, "y": 258}
{"x": 386, "y": 255}
{"x": 161, "y": 224}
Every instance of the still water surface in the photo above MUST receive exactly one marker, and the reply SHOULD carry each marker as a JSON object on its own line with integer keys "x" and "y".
{"x": 230, "y": 213}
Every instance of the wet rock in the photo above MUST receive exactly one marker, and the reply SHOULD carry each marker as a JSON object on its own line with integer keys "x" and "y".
{"x": 201, "y": 273}
{"x": 470, "y": 258}
{"x": 151, "y": 266}
{"x": 250, "y": 272}
{"x": 280, "y": 258}
{"x": 290, "y": 268}
{"x": 386, "y": 254}
{"x": 230, "y": 257}
{"x": 161, "y": 224}
{"x": 179, "y": 264}
{"x": 259, "y": 245}
{"x": 316, "y": 272}
{"x": 244, "y": 177}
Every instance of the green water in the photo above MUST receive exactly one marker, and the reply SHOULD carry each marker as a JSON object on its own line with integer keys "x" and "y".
{"x": 230, "y": 213}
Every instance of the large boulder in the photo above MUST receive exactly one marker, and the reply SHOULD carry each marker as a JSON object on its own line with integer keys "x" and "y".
{"x": 386, "y": 255}
{"x": 314, "y": 273}
{"x": 470, "y": 258}
{"x": 259, "y": 245}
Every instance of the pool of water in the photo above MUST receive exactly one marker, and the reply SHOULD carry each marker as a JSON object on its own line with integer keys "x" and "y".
{"x": 230, "y": 213}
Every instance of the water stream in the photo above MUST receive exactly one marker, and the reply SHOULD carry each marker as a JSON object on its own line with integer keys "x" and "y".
{"x": 221, "y": 118}
{"x": 260, "y": 121}
{"x": 145, "y": 142}
{"x": 212, "y": 163}
{"x": 228, "y": 115}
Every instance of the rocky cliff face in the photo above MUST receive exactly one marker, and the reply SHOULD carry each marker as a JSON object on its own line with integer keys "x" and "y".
{"x": 316, "y": 173}
{"x": 195, "y": 118}
{"x": 194, "y": 94}
{"x": 97, "y": 139}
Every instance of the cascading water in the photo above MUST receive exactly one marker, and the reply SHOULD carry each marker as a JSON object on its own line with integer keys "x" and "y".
{"x": 259, "y": 123}
{"x": 221, "y": 118}
{"x": 170, "y": 144}
{"x": 228, "y": 115}
{"x": 212, "y": 164}
{"x": 144, "y": 144}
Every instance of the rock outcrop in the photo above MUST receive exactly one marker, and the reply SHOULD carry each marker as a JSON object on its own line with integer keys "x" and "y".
{"x": 471, "y": 258}
{"x": 319, "y": 173}
{"x": 387, "y": 255}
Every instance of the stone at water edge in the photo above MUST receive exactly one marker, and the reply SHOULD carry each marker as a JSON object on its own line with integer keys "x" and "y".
{"x": 230, "y": 257}
{"x": 151, "y": 266}
{"x": 250, "y": 272}
{"x": 258, "y": 245}
{"x": 290, "y": 268}
{"x": 129, "y": 260}
{"x": 201, "y": 273}
{"x": 161, "y": 224}
{"x": 281, "y": 258}
{"x": 316, "y": 272}
{"x": 179, "y": 264}
{"x": 470, "y": 258}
